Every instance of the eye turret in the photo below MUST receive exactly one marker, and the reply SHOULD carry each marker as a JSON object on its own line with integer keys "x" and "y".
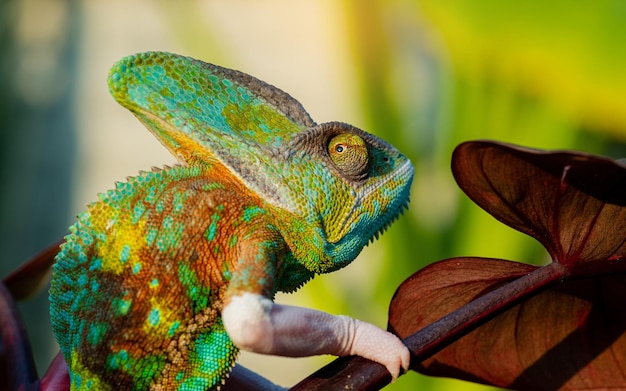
{"x": 349, "y": 154}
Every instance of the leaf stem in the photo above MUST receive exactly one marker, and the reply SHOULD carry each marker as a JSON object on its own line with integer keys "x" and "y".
{"x": 439, "y": 334}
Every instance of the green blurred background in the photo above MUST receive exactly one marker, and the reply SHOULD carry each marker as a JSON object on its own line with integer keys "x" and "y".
{"x": 424, "y": 75}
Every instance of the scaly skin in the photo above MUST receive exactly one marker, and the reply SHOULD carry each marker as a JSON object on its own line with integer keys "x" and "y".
{"x": 263, "y": 200}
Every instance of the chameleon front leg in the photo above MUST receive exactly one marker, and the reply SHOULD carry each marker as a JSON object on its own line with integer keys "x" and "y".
{"x": 255, "y": 323}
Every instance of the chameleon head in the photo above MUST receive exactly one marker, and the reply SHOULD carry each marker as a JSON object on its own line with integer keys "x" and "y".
{"x": 331, "y": 187}
{"x": 348, "y": 186}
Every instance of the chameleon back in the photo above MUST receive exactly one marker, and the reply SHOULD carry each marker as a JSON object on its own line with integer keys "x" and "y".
{"x": 131, "y": 308}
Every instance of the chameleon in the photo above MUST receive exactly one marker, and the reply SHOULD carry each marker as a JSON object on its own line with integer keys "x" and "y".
{"x": 165, "y": 277}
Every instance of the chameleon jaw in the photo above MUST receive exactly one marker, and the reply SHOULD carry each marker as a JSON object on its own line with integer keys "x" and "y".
{"x": 403, "y": 176}
{"x": 343, "y": 251}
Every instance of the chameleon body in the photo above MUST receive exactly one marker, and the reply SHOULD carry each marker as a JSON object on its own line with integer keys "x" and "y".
{"x": 264, "y": 199}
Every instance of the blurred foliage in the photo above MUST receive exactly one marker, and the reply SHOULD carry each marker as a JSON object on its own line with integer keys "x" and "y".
{"x": 37, "y": 144}
{"x": 569, "y": 56}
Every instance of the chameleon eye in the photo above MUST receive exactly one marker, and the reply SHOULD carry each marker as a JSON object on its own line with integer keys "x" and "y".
{"x": 349, "y": 154}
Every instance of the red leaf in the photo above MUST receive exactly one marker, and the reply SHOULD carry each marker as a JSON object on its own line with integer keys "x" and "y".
{"x": 567, "y": 337}
{"x": 57, "y": 377}
{"x": 439, "y": 287}
{"x": 570, "y": 336}
{"x": 573, "y": 203}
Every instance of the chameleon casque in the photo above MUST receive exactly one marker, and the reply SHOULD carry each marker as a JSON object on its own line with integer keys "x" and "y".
{"x": 164, "y": 278}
